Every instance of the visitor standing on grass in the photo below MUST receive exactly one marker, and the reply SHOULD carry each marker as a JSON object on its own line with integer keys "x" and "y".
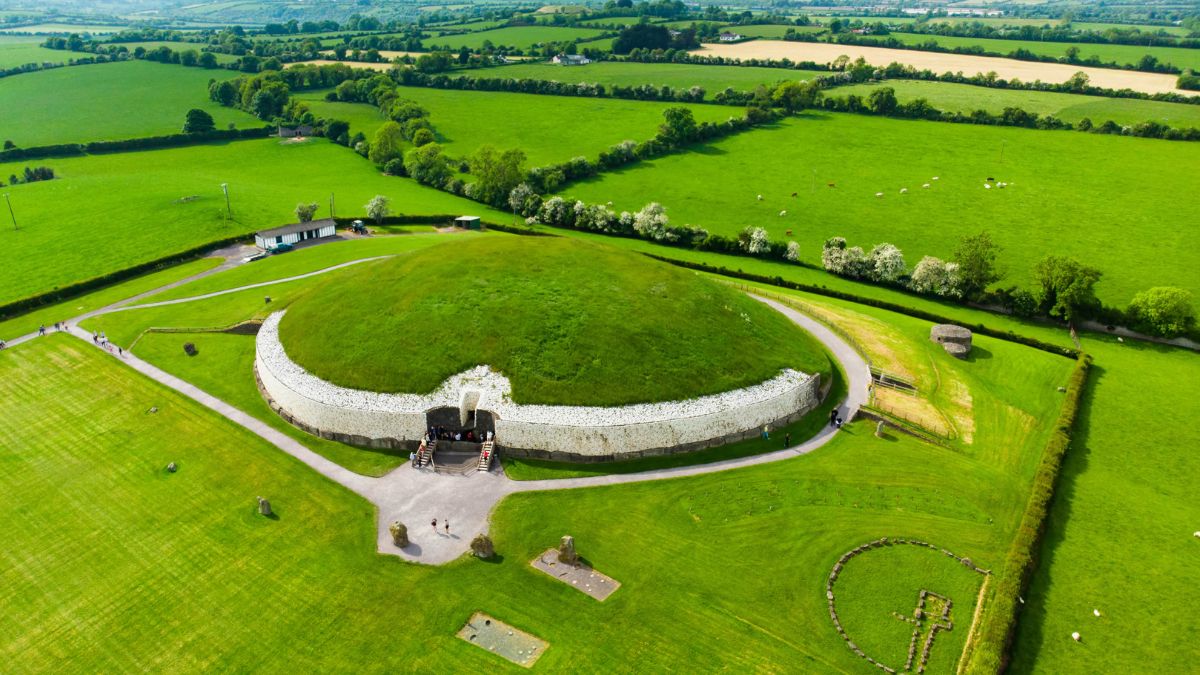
{"x": 766, "y": 432}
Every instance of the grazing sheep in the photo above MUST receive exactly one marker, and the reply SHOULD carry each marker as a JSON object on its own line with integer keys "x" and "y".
{"x": 1075, "y": 636}
{"x": 935, "y": 177}
{"x": 987, "y": 186}
{"x": 903, "y": 190}
{"x": 878, "y": 194}
{"x": 760, "y": 198}
{"x": 794, "y": 194}
{"x": 783, "y": 213}
{"x": 1096, "y": 612}
{"x": 832, "y": 185}
{"x": 925, "y": 186}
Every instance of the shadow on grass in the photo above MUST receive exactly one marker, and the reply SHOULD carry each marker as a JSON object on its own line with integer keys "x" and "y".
{"x": 1031, "y": 620}
{"x": 978, "y": 354}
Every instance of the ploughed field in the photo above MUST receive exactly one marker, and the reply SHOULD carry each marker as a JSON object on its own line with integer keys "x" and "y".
{"x": 108, "y": 101}
{"x": 1112, "y": 202}
{"x": 108, "y": 212}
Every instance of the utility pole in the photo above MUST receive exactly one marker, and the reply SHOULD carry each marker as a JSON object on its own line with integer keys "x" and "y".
{"x": 331, "y": 214}
{"x": 10, "y": 211}
{"x": 1002, "y": 151}
{"x": 228, "y": 210}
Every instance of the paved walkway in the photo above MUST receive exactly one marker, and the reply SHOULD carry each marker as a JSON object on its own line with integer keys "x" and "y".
{"x": 418, "y": 496}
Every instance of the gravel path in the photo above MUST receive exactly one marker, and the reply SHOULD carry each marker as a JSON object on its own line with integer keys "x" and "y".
{"x": 418, "y": 496}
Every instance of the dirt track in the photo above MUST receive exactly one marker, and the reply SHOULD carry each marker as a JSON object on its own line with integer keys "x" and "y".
{"x": 1026, "y": 71}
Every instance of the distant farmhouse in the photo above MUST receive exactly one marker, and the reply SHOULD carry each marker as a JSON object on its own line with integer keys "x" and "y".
{"x": 571, "y": 60}
{"x": 294, "y": 234}
{"x": 293, "y": 132}
{"x": 730, "y": 37}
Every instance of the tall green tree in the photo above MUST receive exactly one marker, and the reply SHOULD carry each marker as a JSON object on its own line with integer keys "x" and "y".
{"x": 976, "y": 258}
{"x": 198, "y": 121}
{"x": 1064, "y": 287}
{"x": 1165, "y": 311}
{"x": 496, "y": 173}
{"x": 679, "y": 126}
{"x": 427, "y": 165}
{"x": 794, "y": 96}
{"x": 388, "y": 143}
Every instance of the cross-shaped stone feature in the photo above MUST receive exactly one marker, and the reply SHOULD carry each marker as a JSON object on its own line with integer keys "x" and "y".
{"x": 932, "y": 614}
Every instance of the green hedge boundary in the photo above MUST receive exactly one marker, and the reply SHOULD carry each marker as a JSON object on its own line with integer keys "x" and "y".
{"x": 992, "y": 651}
{"x": 130, "y": 144}
{"x": 871, "y": 302}
{"x": 522, "y": 230}
{"x": 30, "y": 303}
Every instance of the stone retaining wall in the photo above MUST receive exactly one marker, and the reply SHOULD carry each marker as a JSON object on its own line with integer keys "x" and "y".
{"x": 568, "y": 433}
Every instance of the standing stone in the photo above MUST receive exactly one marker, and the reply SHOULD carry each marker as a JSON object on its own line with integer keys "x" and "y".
{"x": 566, "y": 551}
{"x": 482, "y": 546}
{"x": 171, "y": 468}
{"x": 264, "y": 506}
{"x": 879, "y": 429}
{"x": 399, "y": 534}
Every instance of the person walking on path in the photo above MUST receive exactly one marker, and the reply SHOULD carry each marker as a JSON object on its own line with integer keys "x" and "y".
{"x": 434, "y": 524}
{"x": 833, "y": 415}
{"x": 787, "y": 440}
{"x": 41, "y": 330}
{"x": 447, "y": 527}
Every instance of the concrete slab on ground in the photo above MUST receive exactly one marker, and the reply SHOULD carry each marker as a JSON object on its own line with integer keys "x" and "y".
{"x": 503, "y": 640}
{"x": 579, "y": 576}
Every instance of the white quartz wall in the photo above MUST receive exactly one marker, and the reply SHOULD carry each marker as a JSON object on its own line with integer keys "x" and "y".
{"x": 575, "y": 430}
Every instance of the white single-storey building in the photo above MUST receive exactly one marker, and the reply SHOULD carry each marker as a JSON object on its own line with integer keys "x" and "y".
{"x": 730, "y": 37}
{"x": 571, "y": 60}
{"x": 295, "y": 233}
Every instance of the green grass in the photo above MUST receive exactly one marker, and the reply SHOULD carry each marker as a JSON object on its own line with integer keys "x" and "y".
{"x": 64, "y": 28}
{"x": 522, "y": 37}
{"x": 17, "y": 51}
{"x": 107, "y": 102}
{"x": 1120, "y": 531}
{"x": 548, "y": 128}
{"x": 47, "y": 316}
{"x": 139, "y": 193}
{"x": 567, "y": 323}
{"x": 772, "y": 31}
{"x": 1109, "y": 201}
{"x": 177, "y": 46}
{"x": 678, "y": 75}
{"x": 1120, "y": 54}
{"x": 1068, "y": 107}
{"x": 224, "y": 367}
{"x": 110, "y": 602}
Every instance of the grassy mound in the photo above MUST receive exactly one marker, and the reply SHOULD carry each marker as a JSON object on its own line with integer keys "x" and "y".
{"x": 567, "y": 322}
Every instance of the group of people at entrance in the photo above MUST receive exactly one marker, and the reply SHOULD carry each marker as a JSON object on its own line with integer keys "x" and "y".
{"x": 442, "y": 434}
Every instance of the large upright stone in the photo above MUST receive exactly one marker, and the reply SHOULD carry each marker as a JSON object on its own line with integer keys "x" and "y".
{"x": 566, "y": 551}
{"x": 264, "y": 506}
{"x": 399, "y": 534}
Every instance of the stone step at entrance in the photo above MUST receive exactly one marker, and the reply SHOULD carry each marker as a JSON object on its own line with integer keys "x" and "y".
{"x": 455, "y": 462}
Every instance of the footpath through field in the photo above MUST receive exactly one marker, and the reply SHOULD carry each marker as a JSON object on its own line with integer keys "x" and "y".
{"x": 418, "y": 496}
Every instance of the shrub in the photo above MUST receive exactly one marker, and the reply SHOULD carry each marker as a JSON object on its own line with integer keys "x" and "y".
{"x": 887, "y": 264}
{"x": 793, "y": 252}
{"x": 1165, "y": 311}
{"x": 934, "y": 276}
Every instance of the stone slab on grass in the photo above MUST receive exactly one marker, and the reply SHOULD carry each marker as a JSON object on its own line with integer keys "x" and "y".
{"x": 503, "y": 640}
{"x": 580, "y": 577}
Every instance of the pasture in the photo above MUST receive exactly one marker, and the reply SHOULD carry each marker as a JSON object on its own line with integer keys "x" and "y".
{"x": 967, "y": 98}
{"x": 65, "y": 29}
{"x": 551, "y": 128}
{"x": 1078, "y": 213}
{"x": 772, "y": 30}
{"x": 712, "y": 79}
{"x": 19, "y": 50}
{"x": 159, "y": 202}
{"x": 139, "y": 98}
{"x": 1119, "y": 54}
{"x": 520, "y": 37}
{"x": 939, "y": 62}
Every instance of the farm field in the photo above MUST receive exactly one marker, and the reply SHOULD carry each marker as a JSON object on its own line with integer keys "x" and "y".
{"x": 1120, "y": 54}
{"x": 142, "y": 99}
{"x": 678, "y": 75}
{"x": 722, "y": 181}
{"x": 521, "y": 37}
{"x": 1068, "y": 107}
{"x": 179, "y": 204}
{"x": 1026, "y": 71}
{"x": 65, "y": 28}
{"x": 17, "y": 51}
{"x": 464, "y": 120}
{"x": 177, "y": 46}
{"x": 773, "y": 31}
{"x": 831, "y": 501}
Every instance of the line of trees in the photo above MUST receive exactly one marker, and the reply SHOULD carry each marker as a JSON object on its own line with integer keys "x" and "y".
{"x": 30, "y": 175}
